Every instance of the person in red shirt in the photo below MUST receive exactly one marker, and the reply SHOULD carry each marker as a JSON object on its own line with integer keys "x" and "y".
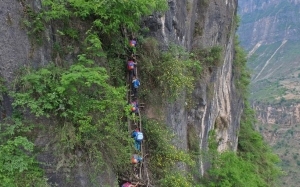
{"x": 131, "y": 64}
{"x": 128, "y": 184}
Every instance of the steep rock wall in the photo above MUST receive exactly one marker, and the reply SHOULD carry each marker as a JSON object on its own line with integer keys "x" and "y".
{"x": 215, "y": 103}
{"x": 280, "y": 126}
{"x": 277, "y": 120}
{"x": 189, "y": 23}
{"x": 17, "y": 49}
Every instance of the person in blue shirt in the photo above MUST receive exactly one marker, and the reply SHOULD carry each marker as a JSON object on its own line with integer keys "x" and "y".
{"x": 135, "y": 159}
{"x": 135, "y": 84}
{"x": 138, "y": 138}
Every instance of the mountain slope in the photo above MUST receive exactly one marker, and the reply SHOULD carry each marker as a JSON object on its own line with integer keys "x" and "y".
{"x": 269, "y": 31}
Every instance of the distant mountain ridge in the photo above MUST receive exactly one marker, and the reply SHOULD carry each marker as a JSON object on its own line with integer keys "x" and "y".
{"x": 270, "y": 33}
{"x": 268, "y": 21}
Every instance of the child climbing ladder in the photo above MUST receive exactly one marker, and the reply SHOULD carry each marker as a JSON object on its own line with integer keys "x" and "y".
{"x": 134, "y": 122}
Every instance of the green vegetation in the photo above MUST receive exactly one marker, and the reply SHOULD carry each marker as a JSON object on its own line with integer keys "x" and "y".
{"x": 242, "y": 73}
{"x": 87, "y": 109}
{"x": 253, "y": 148}
{"x": 268, "y": 91}
{"x": 229, "y": 168}
{"x": 285, "y": 146}
{"x": 89, "y": 113}
{"x": 17, "y": 161}
{"x": 232, "y": 170}
{"x": 108, "y": 15}
{"x": 34, "y": 24}
{"x": 86, "y": 99}
{"x": 86, "y": 104}
{"x": 281, "y": 80}
{"x": 177, "y": 72}
{"x": 210, "y": 57}
{"x": 96, "y": 29}
{"x": 171, "y": 72}
{"x": 165, "y": 156}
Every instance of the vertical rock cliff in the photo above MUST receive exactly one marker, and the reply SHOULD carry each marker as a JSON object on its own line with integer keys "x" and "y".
{"x": 215, "y": 102}
{"x": 194, "y": 24}
{"x": 279, "y": 125}
{"x": 16, "y": 50}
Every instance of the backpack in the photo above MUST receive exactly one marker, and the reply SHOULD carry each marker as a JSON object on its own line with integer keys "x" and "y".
{"x": 130, "y": 65}
{"x": 139, "y": 136}
{"x": 136, "y": 159}
{"x": 127, "y": 184}
{"x": 133, "y": 108}
{"x": 132, "y": 43}
{"x": 136, "y": 83}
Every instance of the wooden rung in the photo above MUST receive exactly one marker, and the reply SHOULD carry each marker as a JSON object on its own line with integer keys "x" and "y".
{"x": 134, "y": 183}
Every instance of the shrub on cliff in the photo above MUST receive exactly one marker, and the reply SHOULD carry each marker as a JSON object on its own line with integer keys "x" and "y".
{"x": 169, "y": 72}
{"x": 164, "y": 156}
{"x": 18, "y": 165}
{"x": 87, "y": 109}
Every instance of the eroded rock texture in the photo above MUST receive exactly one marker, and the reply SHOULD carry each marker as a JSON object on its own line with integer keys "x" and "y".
{"x": 215, "y": 103}
{"x": 193, "y": 24}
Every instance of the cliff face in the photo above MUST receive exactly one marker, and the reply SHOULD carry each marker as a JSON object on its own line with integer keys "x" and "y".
{"x": 16, "y": 49}
{"x": 189, "y": 23}
{"x": 215, "y": 104}
{"x": 284, "y": 118}
{"x": 279, "y": 125}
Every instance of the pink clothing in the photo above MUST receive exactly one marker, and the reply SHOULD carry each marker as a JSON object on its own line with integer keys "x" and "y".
{"x": 132, "y": 43}
{"x": 127, "y": 184}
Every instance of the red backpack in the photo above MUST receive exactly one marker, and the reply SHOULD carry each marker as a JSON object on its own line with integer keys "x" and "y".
{"x": 130, "y": 65}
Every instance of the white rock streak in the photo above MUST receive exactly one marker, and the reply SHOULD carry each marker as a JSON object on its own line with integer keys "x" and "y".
{"x": 254, "y": 49}
{"x": 268, "y": 61}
